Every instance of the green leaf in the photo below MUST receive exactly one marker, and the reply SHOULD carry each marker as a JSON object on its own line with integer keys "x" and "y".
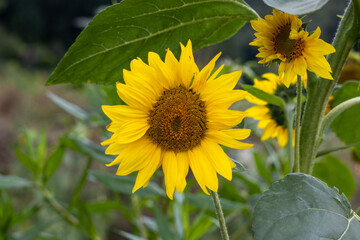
{"x": 25, "y": 160}
{"x": 7, "y": 214}
{"x": 53, "y": 162}
{"x": 239, "y": 167}
{"x": 12, "y": 182}
{"x": 296, "y": 7}
{"x": 125, "y": 184}
{"x": 199, "y": 226}
{"x": 87, "y": 148}
{"x": 272, "y": 99}
{"x": 36, "y": 230}
{"x": 346, "y": 125}
{"x": 164, "y": 228}
{"x": 69, "y": 107}
{"x": 132, "y": 28}
{"x": 85, "y": 219}
{"x": 104, "y": 206}
{"x": 262, "y": 169}
{"x": 302, "y": 207}
{"x": 336, "y": 174}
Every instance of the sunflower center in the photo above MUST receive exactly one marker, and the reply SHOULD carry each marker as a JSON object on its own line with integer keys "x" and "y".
{"x": 178, "y": 120}
{"x": 277, "y": 114}
{"x": 289, "y": 48}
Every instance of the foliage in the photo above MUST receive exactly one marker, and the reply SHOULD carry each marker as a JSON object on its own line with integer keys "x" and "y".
{"x": 62, "y": 189}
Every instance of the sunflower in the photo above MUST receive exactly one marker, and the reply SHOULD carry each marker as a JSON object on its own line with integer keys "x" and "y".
{"x": 271, "y": 117}
{"x": 282, "y": 38}
{"x": 176, "y": 116}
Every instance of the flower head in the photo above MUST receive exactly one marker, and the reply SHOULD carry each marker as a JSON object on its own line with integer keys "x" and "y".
{"x": 281, "y": 38}
{"x": 271, "y": 117}
{"x": 176, "y": 116}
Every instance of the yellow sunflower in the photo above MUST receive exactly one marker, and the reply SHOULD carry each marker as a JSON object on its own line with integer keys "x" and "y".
{"x": 281, "y": 37}
{"x": 271, "y": 117}
{"x": 176, "y": 116}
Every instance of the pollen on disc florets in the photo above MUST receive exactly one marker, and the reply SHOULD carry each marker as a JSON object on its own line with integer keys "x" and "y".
{"x": 177, "y": 120}
{"x": 289, "y": 48}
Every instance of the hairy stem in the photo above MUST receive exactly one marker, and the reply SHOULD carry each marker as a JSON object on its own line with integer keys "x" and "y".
{"x": 289, "y": 110}
{"x": 319, "y": 90}
{"x": 220, "y": 215}
{"x": 297, "y": 124}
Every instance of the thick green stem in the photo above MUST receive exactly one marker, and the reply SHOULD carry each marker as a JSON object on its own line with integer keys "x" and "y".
{"x": 297, "y": 124}
{"x": 289, "y": 110}
{"x": 220, "y": 216}
{"x": 319, "y": 90}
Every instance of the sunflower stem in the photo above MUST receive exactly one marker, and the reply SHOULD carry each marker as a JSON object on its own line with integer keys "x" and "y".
{"x": 220, "y": 215}
{"x": 319, "y": 89}
{"x": 289, "y": 110}
{"x": 297, "y": 124}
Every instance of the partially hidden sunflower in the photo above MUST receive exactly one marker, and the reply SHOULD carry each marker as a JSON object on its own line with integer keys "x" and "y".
{"x": 282, "y": 38}
{"x": 176, "y": 116}
{"x": 271, "y": 117}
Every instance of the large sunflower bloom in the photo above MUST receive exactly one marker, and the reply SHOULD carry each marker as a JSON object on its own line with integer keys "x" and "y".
{"x": 176, "y": 116}
{"x": 281, "y": 37}
{"x": 271, "y": 117}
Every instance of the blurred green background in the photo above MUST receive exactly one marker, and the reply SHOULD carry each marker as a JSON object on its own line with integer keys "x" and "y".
{"x": 35, "y": 124}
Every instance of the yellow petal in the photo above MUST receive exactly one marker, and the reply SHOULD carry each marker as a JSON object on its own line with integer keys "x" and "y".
{"x": 183, "y": 169}
{"x": 123, "y": 113}
{"x": 136, "y": 155}
{"x": 237, "y": 133}
{"x": 226, "y": 140}
{"x": 224, "y": 119}
{"x": 134, "y": 97}
{"x": 170, "y": 169}
{"x": 218, "y": 158}
{"x": 144, "y": 175}
{"x": 164, "y": 72}
{"x": 203, "y": 170}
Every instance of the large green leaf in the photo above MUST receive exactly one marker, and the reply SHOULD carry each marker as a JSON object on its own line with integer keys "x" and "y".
{"x": 132, "y": 28}
{"x": 336, "y": 174}
{"x": 296, "y": 7}
{"x": 346, "y": 125}
{"x": 302, "y": 207}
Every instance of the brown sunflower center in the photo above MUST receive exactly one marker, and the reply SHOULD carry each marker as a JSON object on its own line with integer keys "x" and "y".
{"x": 178, "y": 120}
{"x": 289, "y": 48}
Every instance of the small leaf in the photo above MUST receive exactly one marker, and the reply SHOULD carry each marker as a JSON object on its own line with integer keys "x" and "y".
{"x": 132, "y": 28}
{"x": 296, "y": 7}
{"x": 12, "y": 182}
{"x": 262, "y": 169}
{"x": 199, "y": 226}
{"x": 336, "y": 174}
{"x": 28, "y": 162}
{"x": 125, "y": 184}
{"x": 239, "y": 167}
{"x": 302, "y": 207}
{"x": 36, "y": 230}
{"x": 272, "y": 99}
{"x": 85, "y": 219}
{"x": 164, "y": 228}
{"x": 53, "y": 162}
{"x": 69, "y": 107}
{"x": 88, "y": 148}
